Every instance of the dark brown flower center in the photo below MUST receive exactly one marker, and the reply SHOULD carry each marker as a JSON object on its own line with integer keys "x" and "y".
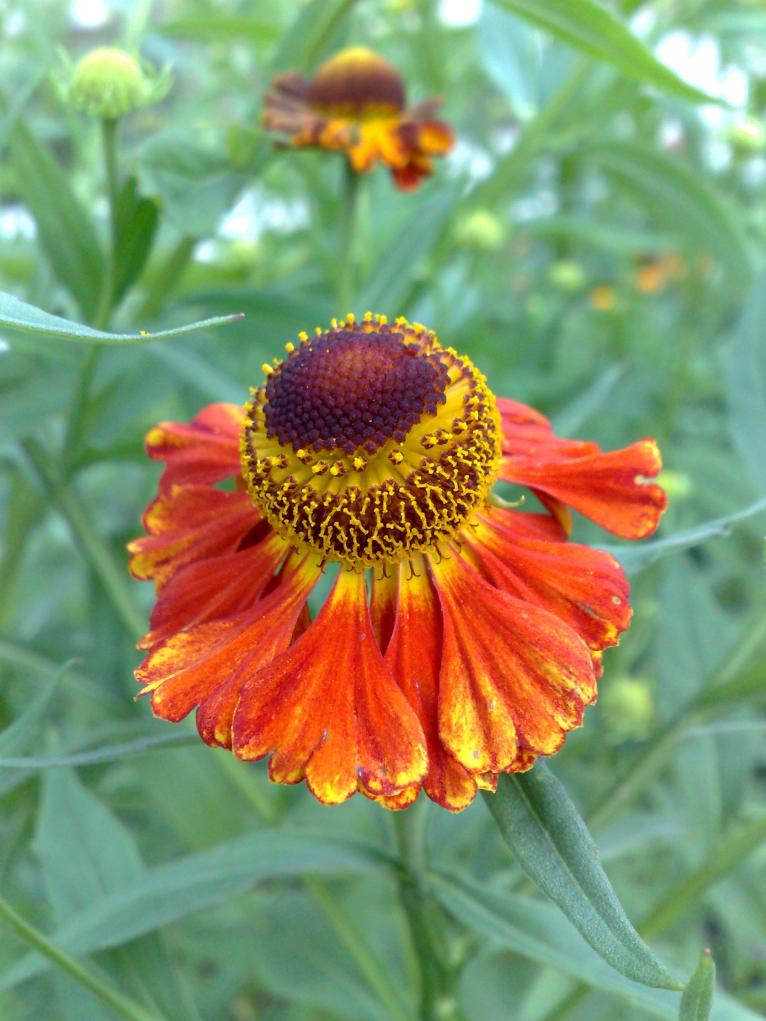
{"x": 350, "y": 390}
{"x": 357, "y": 83}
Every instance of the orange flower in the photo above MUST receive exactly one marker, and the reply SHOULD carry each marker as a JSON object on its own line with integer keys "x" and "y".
{"x": 356, "y": 103}
{"x": 461, "y": 637}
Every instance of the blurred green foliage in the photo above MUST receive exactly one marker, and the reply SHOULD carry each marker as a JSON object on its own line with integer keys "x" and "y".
{"x": 595, "y": 244}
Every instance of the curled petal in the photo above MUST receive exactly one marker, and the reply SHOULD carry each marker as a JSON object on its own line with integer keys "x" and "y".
{"x": 209, "y": 663}
{"x": 189, "y": 523}
{"x": 414, "y": 658}
{"x": 205, "y": 450}
{"x": 328, "y": 710}
{"x": 513, "y": 676}
{"x": 221, "y": 586}
{"x": 611, "y": 488}
{"x": 584, "y": 587}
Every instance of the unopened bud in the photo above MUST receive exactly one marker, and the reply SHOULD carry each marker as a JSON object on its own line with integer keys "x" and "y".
{"x": 109, "y": 83}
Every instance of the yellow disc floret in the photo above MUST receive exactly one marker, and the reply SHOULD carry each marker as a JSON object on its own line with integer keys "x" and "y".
{"x": 370, "y": 442}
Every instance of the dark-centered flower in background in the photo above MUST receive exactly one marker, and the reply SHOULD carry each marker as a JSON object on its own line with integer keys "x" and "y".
{"x": 356, "y": 103}
{"x": 461, "y": 638}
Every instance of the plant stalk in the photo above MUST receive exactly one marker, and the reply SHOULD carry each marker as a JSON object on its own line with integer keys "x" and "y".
{"x": 424, "y": 918}
{"x": 349, "y": 219}
{"x": 32, "y": 936}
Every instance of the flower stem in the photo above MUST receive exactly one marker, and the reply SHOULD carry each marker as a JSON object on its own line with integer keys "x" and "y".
{"x": 109, "y": 148}
{"x": 349, "y": 218}
{"x": 122, "y": 1005}
{"x": 94, "y": 549}
{"x": 424, "y": 917}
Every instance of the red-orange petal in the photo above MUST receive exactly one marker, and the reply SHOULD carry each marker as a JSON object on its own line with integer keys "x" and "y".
{"x": 414, "y": 657}
{"x": 189, "y": 523}
{"x": 513, "y": 676}
{"x": 584, "y": 587}
{"x": 212, "y": 660}
{"x": 612, "y": 489}
{"x": 220, "y": 586}
{"x": 205, "y": 450}
{"x": 327, "y": 710}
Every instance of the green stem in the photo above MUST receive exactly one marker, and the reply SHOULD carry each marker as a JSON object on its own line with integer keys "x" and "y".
{"x": 96, "y": 552}
{"x": 356, "y": 945}
{"x": 111, "y": 175}
{"x": 349, "y": 217}
{"x": 165, "y": 280}
{"x": 424, "y": 918}
{"x": 724, "y": 858}
{"x": 123, "y": 1005}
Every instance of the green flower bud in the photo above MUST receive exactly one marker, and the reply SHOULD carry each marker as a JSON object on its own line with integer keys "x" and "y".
{"x": 480, "y": 229}
{"x": 628, "y": 709}
{"x": 748, "y": 135}
{"x": 567, "y": 275}
{"x": 109, "y": 83}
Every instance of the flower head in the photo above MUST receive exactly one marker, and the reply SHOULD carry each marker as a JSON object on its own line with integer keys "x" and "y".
{"x": 462, "y": 637}
{"x": 109, "y": 83}
{"x": 356, "y": 103}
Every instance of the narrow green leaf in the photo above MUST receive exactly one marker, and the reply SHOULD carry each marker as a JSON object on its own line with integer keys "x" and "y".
{"x": 745, "y": 373}
{"x": 314, "y": 25}
{"x": 66, "y": 234}
{"x": 137, "y": 219}
{"x": 542, "y": 827}
{"x": 19, "y": 315}
{"x": 109, "y": 753}
{"x": 678, "y": 197}
{"x": 194, "y": 186}
{"x": 725, "y": 857}
{"x": 391, "y": 277}
{"x": 638, "y": 557}
{"x": 169, "y": 892}
{"x": 536, "y": 930}
{"x": 86, "y": 853}
{"x": 594, "y": 29}
{"x": 697, "y": 999}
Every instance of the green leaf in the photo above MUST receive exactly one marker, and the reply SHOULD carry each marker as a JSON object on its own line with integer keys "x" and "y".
{"x": 542, "y": 827}
{"x": 95, "y": 756}
{"x": 169, "y": 892}
{"x": 20, "y": 316}
{"x": 637, "y": 557}
{"x": 595, "y": 30}
{"x": 745, "y": 369}
{"x": 697, "y": 999}
{"x": 66, "y": 234}
{"x": 537, "y": 931}
{"x": 86, "y": 853}
{"x": 137, "y": 220}
{"x": 391, "y": 276}
{"x": 314, "y": 26}
{"x": 194, "y": 186}
{"x": 677, "y": 197}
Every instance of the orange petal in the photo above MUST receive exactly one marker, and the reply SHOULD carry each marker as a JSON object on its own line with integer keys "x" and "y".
{"x": 218, "y": 587}
{"x": 513, "y": 677}
{"x": 611, "y": 488}
{"x": 328, "y": 710}
{"x": 383, "y": 604}
{"x": 203, "y": 450}
{"x": 217, "y": 656}
{"x": 189, "y": 523}
{"x": 413, "y": 657}
{"x": 584, "y": 587}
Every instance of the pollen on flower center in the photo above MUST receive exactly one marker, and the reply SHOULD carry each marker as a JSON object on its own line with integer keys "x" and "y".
{"x": 370, "y": 442}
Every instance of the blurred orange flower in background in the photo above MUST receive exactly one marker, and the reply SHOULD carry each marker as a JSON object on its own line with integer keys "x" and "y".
{"x": 461, "y": 638}
{"x": 356, "y": 103}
